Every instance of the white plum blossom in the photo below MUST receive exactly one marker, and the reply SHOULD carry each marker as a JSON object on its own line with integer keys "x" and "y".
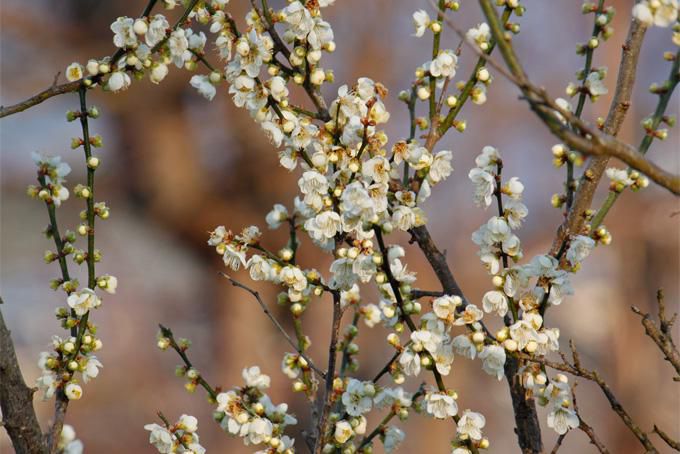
{"x": 579, "y": 248}
{"x": 470, "y": 425}
{"x": 356, "y": 399}
{"x": 204, "y": 86}
{"x": 156, "y": 30}
{"x": 661, "y": 13}
{"x": 421, "y": 20}
{"x": 124, "y": 34}
{"x": 343, "y": 432}
{"x": 440, "y": 405}
{"x": 485, "y": 185}
{"x": 84, "y": 300}
{"x": 495, "y": 301}
{"x": 444, "y": 65}
{"x": 160, "y": 438}
{"x": 74, "y": 72}
{"x": 561, "y": 419}
{"x": 118, "y": 81}
{"x": 255, "y": 379}
{"x": 480, "y": 35}
{"x": 493, "y": 358}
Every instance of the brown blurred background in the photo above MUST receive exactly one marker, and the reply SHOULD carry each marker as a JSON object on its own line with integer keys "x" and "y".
{"x": 175, "y": 166}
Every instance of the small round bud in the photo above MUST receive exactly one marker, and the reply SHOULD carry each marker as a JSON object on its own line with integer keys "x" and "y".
{"x": 483, "y": 75}
{"x": 510, "y": 345}
{"x": 497, "y": 281}
{"x": 451, "y": 101}
{"x": 140, "y": 27}
{"x": 478, "y": 337}
{"x": 423, "y": 93}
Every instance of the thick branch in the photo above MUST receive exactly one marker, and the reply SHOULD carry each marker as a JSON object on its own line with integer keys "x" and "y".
{"x": 16, "y": 400}
{"x": 594, "y": 171}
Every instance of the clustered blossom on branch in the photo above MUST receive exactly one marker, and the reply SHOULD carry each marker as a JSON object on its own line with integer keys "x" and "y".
{"x": 356, "y": 187}
{"x": 181, "y": 437}
{"x": 72, "y": 359}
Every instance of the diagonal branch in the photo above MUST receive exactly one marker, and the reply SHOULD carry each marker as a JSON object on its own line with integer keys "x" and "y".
{"x": 662, "y": 334}
{"x": 276, "y": 323}
{"x": 16, "y": 400}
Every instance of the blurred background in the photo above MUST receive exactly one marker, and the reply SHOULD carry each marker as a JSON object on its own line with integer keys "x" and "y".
{"x": 175, "y": 166}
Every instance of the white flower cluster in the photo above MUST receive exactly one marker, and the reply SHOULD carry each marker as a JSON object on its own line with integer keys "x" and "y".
{"x": 181, "y": 437}
{"x": 621, "y": 179}
{"x": 249, "y": 413}
{"x": 54, "y": 171}
{"x": 554, "y": 394}
{"x": 59, "y": 367}
{"x": 68, "y": 443}
{"x": 660, "y": 13}
{"x": 358, "y": 398}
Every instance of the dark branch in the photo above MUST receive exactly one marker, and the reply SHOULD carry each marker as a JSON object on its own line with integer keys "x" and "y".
{"x": 16, "y": 400}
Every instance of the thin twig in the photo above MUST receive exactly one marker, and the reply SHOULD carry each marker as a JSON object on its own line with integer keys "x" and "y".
{"x": 576, "y": 369}
{"x": 276, "y": 323}
{"x": 661, "y": 334}
{"x": 167, "y": 333}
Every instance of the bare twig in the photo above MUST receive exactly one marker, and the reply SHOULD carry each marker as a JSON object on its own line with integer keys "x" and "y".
{"x": 665, "y": 437}
{"x": 16, "y": 400}
{"x": 661, "y": 334}
{"x": 276, "y": 323}
{"x": 585, "y": 428}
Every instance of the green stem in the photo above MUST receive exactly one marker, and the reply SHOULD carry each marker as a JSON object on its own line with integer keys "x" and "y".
{"x": 464, "y": 94}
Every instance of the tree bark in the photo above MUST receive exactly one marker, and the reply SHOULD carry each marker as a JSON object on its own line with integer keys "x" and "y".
{"x": 16, "y": 400}
{"x": 528, "y": 427}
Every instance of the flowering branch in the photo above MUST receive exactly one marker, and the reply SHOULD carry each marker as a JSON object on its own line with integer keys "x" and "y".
{"x": 276, "y": 323}
{"x": 651, "y": 132}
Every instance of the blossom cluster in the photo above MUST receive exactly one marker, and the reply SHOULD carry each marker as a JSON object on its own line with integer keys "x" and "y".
{"x": 181, "y": 437}
{"x": 72, "y": 358}
{"x": 248, "y": 412}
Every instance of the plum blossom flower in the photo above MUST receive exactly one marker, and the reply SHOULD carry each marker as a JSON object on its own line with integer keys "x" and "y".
{"x": 493, "y": 357}
{"x": 124, "y": 33}
{"x": 440, "y": 405}
{"x": 470, "y": 424}
{"x": 84, "y": 300}
{"x": 204, "y": 86}
{"x": 421, "y": 20}
{"x": 661, "y": 13}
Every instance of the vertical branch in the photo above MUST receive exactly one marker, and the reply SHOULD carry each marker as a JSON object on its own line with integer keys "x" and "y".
{"x": 16, "y": 400}
{"x": 327, "y": 401}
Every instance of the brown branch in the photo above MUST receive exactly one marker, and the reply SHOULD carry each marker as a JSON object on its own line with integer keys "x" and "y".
{"x": 70, "y": 87}
{"x": 591, "y": 141}
{"x": 661, "y": 334}
{"x": 577, "y": 370}
{"x": 585, "y": 428}
{"x": 276, "y": 323}
{"x": 576, "y": 220}
{"x": 327, "y": 401}
{"x": 664, "y": 436}
{"x": 16, "y": 400}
